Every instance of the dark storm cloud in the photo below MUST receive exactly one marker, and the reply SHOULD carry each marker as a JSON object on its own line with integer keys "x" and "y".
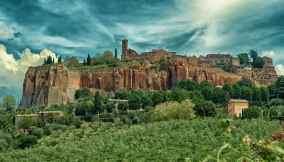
{"x": 88, "y": 26}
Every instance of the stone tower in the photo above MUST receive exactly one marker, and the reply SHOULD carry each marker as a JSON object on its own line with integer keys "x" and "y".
{"x": 124, "y": 49}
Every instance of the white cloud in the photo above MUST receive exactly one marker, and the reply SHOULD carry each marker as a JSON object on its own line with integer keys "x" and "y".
{"x": 280, "y": 69}
{"x": 12, "y": 71}
{"x": 276, "y": 57}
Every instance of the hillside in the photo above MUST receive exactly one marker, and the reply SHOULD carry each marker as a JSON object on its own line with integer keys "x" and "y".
{"x": 195, "y": 140}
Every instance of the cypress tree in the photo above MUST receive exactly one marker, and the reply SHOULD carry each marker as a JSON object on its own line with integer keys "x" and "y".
{"x": 89, "y": 60}
{"x": 115, "y": 53}
{"x": 60, "y": 60}
{"x": 98, "y": 103}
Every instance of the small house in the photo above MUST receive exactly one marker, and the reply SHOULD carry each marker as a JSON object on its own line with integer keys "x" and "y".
{"x": 235, "y": 107}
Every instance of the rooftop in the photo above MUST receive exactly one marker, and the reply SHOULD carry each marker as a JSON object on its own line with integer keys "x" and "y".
{"x": 238, "y": 101}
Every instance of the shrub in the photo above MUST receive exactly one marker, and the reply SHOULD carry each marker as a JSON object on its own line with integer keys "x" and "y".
{"x": 251, "y": 113}
{"x": 157, "y": 98}
{"x": 25, "y": 141}
{"x": 276, "y": 102}
{"x": 70, "y": 119}
{"x": 5, "y": 141}
{"x": 82, "y": 93}
{"x": 56, "y": 127}
{"x": 172, "y": 110}
{"x": 205, "y": 108}
{"x": 276, "y": 111}
{"x": 26, "y": 123}
{"x": 38, "y": 132}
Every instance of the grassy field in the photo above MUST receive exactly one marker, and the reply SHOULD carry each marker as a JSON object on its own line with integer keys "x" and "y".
{"x": 192, "y": 140}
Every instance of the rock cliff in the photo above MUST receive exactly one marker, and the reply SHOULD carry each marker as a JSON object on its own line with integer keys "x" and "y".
{"x": 56, "y": 84}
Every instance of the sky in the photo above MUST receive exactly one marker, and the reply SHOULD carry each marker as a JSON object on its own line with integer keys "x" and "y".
{"x": 32, "y": 29}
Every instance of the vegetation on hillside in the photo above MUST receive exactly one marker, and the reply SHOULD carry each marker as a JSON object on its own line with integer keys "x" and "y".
{"x": 177, "y": 140}
{"x": 188, "y": 122}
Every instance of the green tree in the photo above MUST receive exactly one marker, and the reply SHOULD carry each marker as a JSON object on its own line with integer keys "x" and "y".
{"x": 105, "y": 58}
{"x": 205, "y": 108}
{"x": 83, "y": 93}
{"x": 247, "y": 93}
{"x": 220, "y": 96}
{"x": 237, "y": 91}
{"x": 98, "y": 106}
{"x": 179, "y": 95}
{"x": 257, "y": 96}
{"x": 245, "y": 82}
{"x": 228, "y": 88}
{"x": 146, "y": 100}
{"x": 258, "y": 62}
{"x": 60, "y": 60}
{"x": 122, "y": 94}
{"x": 207, "y": 89}
{"x": 265, "y": 96}
{"x": 72, "y": 61}
{"x": 244, "y": 58}
{"x": 189, "y": 85}
{"x": 157, "y": 98}
{"x": 134, "y": 100}
{"x": 48, "y": 61}
{"x": 253, "y": 54}
{"x": 84, "y": 107}
{"x": 7, "y": 121}
{"x": 251, "y": 113}
{"x": 9, "y": 103}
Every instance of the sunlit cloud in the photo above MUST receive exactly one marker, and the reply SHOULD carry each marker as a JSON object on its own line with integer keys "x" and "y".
{"x": 12, "y": 71}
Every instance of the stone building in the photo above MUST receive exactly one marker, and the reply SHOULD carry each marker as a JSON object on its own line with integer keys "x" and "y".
{"x": 236, "y": 62}
{"x": 235, "y": 107}
{"x": 154, "y": 56}
{"x": 268, "y": 62}
{"x": 219, "y": 59}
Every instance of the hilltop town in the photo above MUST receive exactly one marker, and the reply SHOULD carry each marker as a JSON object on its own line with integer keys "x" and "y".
{"x": 155, "y": 70}
{"x": 153, "y": 99}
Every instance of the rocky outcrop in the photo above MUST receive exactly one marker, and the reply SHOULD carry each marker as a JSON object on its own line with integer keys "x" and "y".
{"x": 48, "y": 85}
{"x": 45, "y": 85}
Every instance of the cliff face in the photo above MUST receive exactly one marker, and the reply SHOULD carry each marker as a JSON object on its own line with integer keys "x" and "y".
{"x": 48, "y": 85}
{"x": 45, "y": 85}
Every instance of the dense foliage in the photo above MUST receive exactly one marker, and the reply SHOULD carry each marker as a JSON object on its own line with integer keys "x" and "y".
{"x": 196, "y": 140}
